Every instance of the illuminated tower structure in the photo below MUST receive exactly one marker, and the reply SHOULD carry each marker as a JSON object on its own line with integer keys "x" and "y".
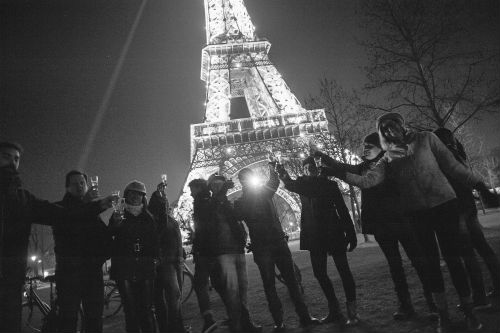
{"x": 235, "y": 64}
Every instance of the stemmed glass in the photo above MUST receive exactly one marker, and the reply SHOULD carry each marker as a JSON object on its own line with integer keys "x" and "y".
{"x": 94, "y": 181}
{"x": 319, "y": 164}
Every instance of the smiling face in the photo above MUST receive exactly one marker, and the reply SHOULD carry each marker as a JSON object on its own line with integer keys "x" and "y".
{"x": 77, "y": 186}
{"x": 9, "y": 157}
{"x": 134, "y": 198}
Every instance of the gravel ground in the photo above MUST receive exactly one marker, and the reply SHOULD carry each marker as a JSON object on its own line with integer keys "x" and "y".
{"x": 376, "y": 298}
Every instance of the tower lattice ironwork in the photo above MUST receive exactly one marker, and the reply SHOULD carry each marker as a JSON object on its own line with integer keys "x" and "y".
{"x": 235, "y": 63}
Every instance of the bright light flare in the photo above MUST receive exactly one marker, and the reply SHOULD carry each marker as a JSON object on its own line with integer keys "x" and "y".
{"x": 255, "y": 181}
{"x": 33, "y": 258}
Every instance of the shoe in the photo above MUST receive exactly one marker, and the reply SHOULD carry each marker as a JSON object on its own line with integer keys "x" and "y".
{"x": 251, "y": 328}
{"x": 352, "y": 313}
{"x": 334, "y": 317}
{"x": 209, "y": 326}
{"x": 443, "y": 322}
{"x": 473, "y": 324}
{"x": 405, "y": 311}
{"x": 495, "y": 293}
{"x": 309, "y": 321}
{"x": 482, "y": 304}
{"x": 279, "y": 328}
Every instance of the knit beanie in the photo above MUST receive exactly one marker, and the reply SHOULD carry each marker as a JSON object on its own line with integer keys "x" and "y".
{"x": 396, "y": 117}
{"x": 373, "y": 139}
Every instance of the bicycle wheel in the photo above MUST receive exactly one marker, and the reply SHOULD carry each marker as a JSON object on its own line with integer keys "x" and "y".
{"x": 112, "y": 300}
{"x": 187, "y": 285}
{"x": 33, "y": 316}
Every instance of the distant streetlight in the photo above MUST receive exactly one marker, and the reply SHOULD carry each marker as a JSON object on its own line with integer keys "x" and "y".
{"x": 33, "y": 258}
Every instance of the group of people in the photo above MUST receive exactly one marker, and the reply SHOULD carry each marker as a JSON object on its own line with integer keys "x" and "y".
{"x": 416, "y": 190}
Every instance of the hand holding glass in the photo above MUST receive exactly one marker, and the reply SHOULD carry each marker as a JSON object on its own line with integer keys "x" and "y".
{"x": 94, "y": 181}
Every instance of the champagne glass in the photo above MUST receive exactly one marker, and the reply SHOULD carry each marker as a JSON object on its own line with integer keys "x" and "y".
{"x": 317, "y": 161}
{"x": 277, "y": 154}
{"x": 121, "y": 208}
{"x": 94, "y": 181}
{"x": 116, "y": 199}
{"x": 164, "y": 179}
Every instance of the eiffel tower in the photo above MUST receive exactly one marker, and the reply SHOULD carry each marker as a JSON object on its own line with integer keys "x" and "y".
{"x": 235, "y": 64}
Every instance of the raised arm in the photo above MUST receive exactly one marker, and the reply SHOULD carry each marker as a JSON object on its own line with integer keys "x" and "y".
{"x": 272, "y": 184}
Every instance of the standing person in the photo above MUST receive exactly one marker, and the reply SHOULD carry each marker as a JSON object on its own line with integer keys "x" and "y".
{"x": 382, "y": 216}
{"x": 81, "y": 247}
{"x": 326, "y": 228}
{"x": 471, "y": 232}
{"x": 415, "y": 162}
{"x": 228, "y": 246}
{"x": 168, "y": 284}
{"x": 269, "y": 246}
{"x": 18, "y": 210}
{"x": 134, "y": 255}
{"x": 203, "y": 257}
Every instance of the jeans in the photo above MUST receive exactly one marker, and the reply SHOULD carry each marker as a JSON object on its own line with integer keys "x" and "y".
{"x": 204, "y": 270}
{"x": 388, "y": 235}
{"x": 167, "y": 297}
{"x": 484, "y": 249}
{"x": 77, "y": 287}
{"x": 470, "y": 260}
{"x": 441, "y": 222}
{"x": 10, "y": 306}
{"x": 279, "y": 256}
{"x": 233, "y": 285}
{"x": 137, "y": 300}
{"x": 319, "y": 266}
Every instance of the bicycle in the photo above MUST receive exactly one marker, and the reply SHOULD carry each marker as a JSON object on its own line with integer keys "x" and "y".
{"x": 113, "y": 302}
{"x": 36, "y": 307}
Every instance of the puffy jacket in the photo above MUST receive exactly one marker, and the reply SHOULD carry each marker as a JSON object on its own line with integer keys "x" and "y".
{"x": 379, "y": 204}
{"x": 257, "y": 209}
{"x": 18, "y": 210}
{"x": 324, "y": 212}
{"x": 135, "y": 247}
{"x": 169, "y": 233}
{"x": 84, "y": 241}
{"x": 419, "y": 175}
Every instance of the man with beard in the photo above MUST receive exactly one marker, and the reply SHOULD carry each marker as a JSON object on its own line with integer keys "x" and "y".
{"x": 18, "y": 210}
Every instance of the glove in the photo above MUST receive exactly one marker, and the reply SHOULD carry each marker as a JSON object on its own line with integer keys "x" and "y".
{"x": 352, "y": 240}
{"x": 489, "y": 199}
{"x": 282, "y": 173}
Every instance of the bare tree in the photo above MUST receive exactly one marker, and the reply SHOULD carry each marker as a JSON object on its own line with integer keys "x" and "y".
{"x": 348, "y": 122}
{"x": 432, "y": 60}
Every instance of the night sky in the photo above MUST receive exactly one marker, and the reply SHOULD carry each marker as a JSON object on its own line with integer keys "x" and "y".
{"x": 58, "y": 56}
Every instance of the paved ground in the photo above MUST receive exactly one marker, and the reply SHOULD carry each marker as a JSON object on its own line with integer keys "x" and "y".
{"x": 374, "y": 290}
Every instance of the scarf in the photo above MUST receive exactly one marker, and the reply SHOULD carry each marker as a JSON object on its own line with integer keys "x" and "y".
{"x": 396, "y": 151}
{"x": 134, "y": 210}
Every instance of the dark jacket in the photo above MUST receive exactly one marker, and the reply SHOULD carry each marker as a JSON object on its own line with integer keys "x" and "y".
{"x": 324, "y": 214}
{"x": 217, "y": 230}
{"x": 135, "y": 247}
{"x": 379, "y": 204}
{"x": 169, "y": 233}
{"x": 18, "y": 210}
{"x": 257, "y": 209}
{"x": 83, "y": 243}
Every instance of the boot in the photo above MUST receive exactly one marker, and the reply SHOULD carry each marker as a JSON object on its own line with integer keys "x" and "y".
{"x": 405, "y": 311}
{"x": 352, "y": 313}
{"x": 309, "y": 321}
{"x": 334, "y": 315}
{"x": 433, "y": 311}
{"x": 443, "y": 323}
{"x": 209, "y": 324}
{"x": 473, "y": 324}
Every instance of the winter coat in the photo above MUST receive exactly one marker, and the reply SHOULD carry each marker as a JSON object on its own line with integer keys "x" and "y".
{"x": 419, "y": 175}
{"x": 19, "y": 209}
{"x": 169, "y": 233}
{"x": 84, "y": 243}
{"x": 379, "y": 204}
{"x": 257, "y": 209}
{"x": 135, "y": 247}
{"x": 217, "y": 231}
{"x": 324, "y": 213}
